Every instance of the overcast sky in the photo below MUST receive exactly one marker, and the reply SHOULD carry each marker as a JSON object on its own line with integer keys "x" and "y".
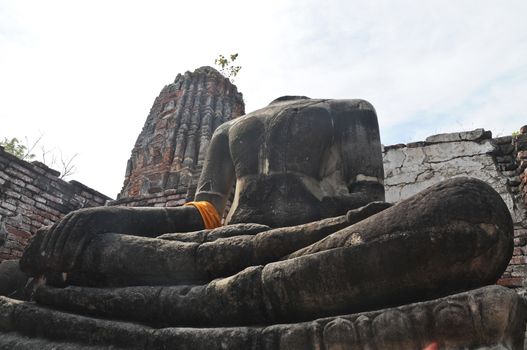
{"x": 84, "y": 74}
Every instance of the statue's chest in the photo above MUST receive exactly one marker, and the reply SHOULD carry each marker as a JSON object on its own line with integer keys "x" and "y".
{"x": 290, "y": 141}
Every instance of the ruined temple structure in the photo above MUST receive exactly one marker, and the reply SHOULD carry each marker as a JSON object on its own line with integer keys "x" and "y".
{"x": 311, "y": 255}
{"x": 32, "y": 195}
{"x": 168, "y": 155}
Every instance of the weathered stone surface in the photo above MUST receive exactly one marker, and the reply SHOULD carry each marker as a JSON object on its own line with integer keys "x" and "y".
{"x": 454, "y": 236}
{"x": 203, "y": 255}
{"x": 266, "y": 153}
{"x": 486, "y": 318}
{"x": 473, "y": 135}
{"x": 170, "y": 150}
{"x": 503, "y": 140}
{"x": 12, "y": 280}
{"x": 410, "y": 170}
{"x": 214, "y": 234}
{"x": 12, "y": 341}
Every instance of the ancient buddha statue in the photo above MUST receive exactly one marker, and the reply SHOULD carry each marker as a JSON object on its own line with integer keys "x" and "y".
{"x": 308, "y": 234}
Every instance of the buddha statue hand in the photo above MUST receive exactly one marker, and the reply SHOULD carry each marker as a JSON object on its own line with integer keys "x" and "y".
{"x": 57, "y": 247}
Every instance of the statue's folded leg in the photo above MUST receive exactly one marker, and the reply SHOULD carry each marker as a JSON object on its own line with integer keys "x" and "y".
{"x": 117, "y": 259}
{"x": 460, "y": 238}
{"x": 123, "y": 260}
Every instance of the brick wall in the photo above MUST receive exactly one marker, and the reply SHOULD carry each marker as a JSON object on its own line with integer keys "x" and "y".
{"x": 166, "y": 198}
{"x": 31, "y": 196}
{"x": 520, "y": 149}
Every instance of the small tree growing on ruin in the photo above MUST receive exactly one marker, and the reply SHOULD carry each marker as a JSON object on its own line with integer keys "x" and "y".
{"x": 227, "y": 67}
{"x": 16, "y": 148}
{"x": 52, "y": 158}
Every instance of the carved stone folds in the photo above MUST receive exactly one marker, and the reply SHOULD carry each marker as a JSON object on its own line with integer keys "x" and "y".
{"x": 491, "y": 317}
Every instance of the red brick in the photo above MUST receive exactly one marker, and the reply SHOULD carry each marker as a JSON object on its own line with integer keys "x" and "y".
{"x": 518, "y": 260}
{"x": 175, "y": 203}
{"x": 22, "y": 169}
{"x": 53, "y": 198}
{"x": 12, "y": 201}
{"x": 8, "y": 206}
{"x": 98, "y": 201}
{"x": 16, "y": 232}
{"x": 17, "y": 224}
{"x": 33, "y": 188}
{"x": 6, "y": 256}
{"x": 3, "y": 175}
{"x": 175, "y": 197}
{"x": 87, "y": 195}
{"x": 19, "y": 175}
{"x": 46, "y": 214}
{"x": 42, "y": 207}
{"x": 12, "y": 194}
{"x": 511, "y": 282}
{"x": 18, "y": 182}
{"x": 16, "y": 253}
{"x": 48, "y": 222}
{"x": 39, "y": 199}
{"x": 13, "y": 245}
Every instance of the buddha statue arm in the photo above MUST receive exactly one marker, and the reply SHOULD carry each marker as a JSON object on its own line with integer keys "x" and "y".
{"x": 58, "y": 248}
{"x": 125, "y": 260}
{"x": 217, "y": 176}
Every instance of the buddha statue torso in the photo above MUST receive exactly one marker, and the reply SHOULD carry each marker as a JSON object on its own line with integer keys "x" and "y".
{"x": 288, "y": 160}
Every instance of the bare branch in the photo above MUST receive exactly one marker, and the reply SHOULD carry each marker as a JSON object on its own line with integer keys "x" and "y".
{"x": 29, "y": 149}
{"x": 24, "y": 152}
{"x": 68, "y": 168}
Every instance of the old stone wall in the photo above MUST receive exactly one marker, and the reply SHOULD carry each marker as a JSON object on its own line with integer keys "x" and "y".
{"x": 31, "y": 196}
{"x": 520, "y": 148}
{"x": 168, "y": 155}
{"x": 413, "y": 167}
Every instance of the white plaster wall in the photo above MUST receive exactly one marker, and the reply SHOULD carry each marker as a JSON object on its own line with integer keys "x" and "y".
{"x": 409, "y": 170}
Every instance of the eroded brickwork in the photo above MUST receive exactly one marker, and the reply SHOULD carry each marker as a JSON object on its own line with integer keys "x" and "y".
{"x": 167, "y": 158}
{"x": 520, "y": 148}
{"x": 31, "y": 196}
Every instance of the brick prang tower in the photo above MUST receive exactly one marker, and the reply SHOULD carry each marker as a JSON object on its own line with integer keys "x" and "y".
{"x": 168, "y": 155}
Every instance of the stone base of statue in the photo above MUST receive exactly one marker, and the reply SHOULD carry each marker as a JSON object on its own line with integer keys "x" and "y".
{"x": 491, "y": 317}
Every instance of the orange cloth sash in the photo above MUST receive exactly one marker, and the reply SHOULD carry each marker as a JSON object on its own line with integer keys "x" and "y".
{"x": 208, "y": 213}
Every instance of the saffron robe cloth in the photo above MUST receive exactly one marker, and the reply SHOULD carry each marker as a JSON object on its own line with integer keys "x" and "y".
{"x": 209, "y": 214}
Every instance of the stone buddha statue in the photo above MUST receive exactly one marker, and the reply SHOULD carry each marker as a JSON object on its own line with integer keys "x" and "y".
{"x": 308, "y": 234}
{"x": 296, "y": 161}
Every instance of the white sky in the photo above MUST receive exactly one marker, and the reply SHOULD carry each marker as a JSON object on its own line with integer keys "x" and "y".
{"x": 85, "y": 73}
